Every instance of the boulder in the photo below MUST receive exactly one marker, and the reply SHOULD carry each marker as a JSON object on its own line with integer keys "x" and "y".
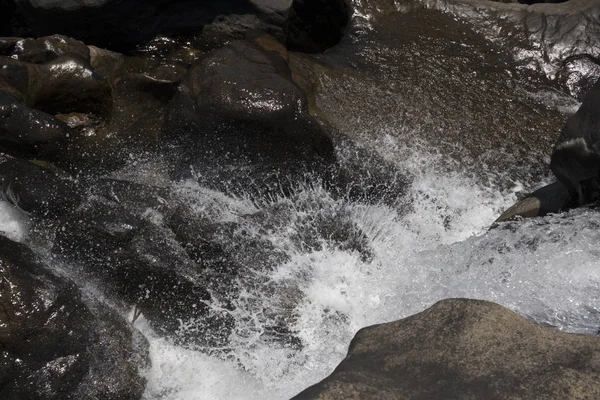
{"x": 53, "y": 345}
{"x": 27, "y": 131}
{"x": 552, "y": 198}
{"x": 575, "y": 159}
{"x": 38, "y": 188}
{"x": 140, "y": 264}
{"x": 238, "y": 108}
{"x": 42, "y": 50}
{"x": 464, "y": 349}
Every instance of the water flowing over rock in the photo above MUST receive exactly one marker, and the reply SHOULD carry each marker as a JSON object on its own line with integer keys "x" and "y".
{"x": 38, "y": 189}
{"x": 55, "y": 346}
{"x": 464, "y": 349}
{"x": 249, "y": 182}
{"x": 546, "y": 36}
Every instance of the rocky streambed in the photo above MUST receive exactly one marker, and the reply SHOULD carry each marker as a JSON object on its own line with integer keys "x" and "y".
{"x": 198, "y": 195}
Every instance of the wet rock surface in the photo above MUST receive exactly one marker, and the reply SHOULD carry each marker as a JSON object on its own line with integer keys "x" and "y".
{"x": 39, "y": 189}
{"x": 543, "y": 36}
{"x": 418, "y": 73}
{"x": 239, "y": 107}
{"x": 576, "y": 156}
{"x": 464, "y": 349}
{"x": 52, "y": 344}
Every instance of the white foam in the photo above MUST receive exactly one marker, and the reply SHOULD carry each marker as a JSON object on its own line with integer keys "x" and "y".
{"x": 544, "y": 268}
{"x": 14, "y": 223}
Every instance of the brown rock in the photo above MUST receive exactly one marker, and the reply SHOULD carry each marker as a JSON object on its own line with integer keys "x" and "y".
{"x": 464, "y": 349}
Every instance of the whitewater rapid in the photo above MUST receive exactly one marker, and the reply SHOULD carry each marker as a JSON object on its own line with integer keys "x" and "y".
{"x": 434, "y": 243}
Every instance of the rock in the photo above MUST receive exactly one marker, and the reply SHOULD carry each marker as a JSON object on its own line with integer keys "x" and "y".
{"x": 65, "y": 84}
{"x": 52, "y": 345}
{"x": 316, "y": 25}
{"x": 137, "y": 262}
{"x": 575, "y": 159}
{"x": 419, "y": 81}
{"x": 239, "y": 108}
{"x": 68, "y": 84}
{"x": 38, "y": 189}
{"x": 464, "y": 349}
{"x": 122, "y": 25}
{"x": 139, "y": 106}
{"x": 44, "y": 49}
{"x": 552, "y": 198}
{"x": 26, "y": 131}
{"x": 578, "y": 74}
{"x": 542, "y": 36}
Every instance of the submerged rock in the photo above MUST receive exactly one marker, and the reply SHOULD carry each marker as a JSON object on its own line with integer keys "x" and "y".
{"x": 420, "y": 82}
{"x": 464, "y": 349}
{"x": 53, "y": 345}
{"x": 42, "y": 50}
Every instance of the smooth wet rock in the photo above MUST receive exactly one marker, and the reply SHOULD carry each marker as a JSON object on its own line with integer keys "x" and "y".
{"x": 27, "y": 131}
{"x": 38, "y": 189}
{"x": 552, "y": 198}
{"x": 239, "y": 108}
{"x": 53, "y": 345}
{"x": 464, "y": 349}
{"x": 68, "y": 84}
{"x": 139, "y": 105}
{"x": 575, "y": 159}
{"x": 42, "y": 50}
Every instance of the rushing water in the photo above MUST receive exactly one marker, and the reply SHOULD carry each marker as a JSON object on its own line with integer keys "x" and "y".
{"x": 435, "y": 244}
{"x": 390, "y": 262}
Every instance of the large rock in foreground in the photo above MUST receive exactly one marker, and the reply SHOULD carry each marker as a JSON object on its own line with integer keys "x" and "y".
{"x": 464, "y": 349}
{"x": 55, "y": 346}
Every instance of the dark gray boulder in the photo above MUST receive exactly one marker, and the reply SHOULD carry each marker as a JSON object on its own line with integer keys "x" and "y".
{"x": 55, "y": 346}
{"x": 27, "y": 131}
{"x": 576, "y": 156}
{"x": 38, "y": 189}
{"x": 41, "y": 50}
{"x": 464, "y": 349}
